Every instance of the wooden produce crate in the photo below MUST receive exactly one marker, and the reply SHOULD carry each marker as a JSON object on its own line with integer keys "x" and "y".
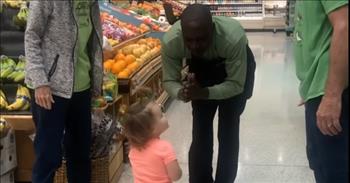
{"x": 103, "y": 170}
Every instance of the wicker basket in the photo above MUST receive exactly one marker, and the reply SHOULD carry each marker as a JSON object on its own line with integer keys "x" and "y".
{"x": 99, "y": 171}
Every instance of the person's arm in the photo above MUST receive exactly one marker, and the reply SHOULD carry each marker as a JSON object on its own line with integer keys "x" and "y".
{"x": 98, "y": 63}
{"x": 171, "y": 67}
{"x": 169, "y": 13}
{"x": 330, "y": 107}
{"x": 39, "y": 11}
{"x": 174, "y": 170}
{"x": 236, "y": 67}
{"x": 169, "y": 157}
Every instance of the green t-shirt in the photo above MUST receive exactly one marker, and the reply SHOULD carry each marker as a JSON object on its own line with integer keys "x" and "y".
{"x": 312, "y": 40}
{"x": 82, "y": 66}
{"x": 229, "y": 42}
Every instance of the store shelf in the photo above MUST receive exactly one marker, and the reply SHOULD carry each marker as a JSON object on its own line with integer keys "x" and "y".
{"x": 141, "y": 77}
{"x": 20, "y": 122}
{"x": 234, "y": 3}
{"x": 109, "y": 104}
{"x": 162, "y": 98}
{"x": 236, "y": 11}
{"x": 249, "y": 18}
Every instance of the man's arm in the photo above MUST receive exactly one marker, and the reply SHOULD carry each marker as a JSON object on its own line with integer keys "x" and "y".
{"x": 171, "y": 72}
{"x": 236, "y": 67}
{"x": 330, "y": 107}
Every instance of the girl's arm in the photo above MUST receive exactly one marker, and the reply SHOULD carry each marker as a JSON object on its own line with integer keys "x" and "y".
{"x": 174, "y": 170}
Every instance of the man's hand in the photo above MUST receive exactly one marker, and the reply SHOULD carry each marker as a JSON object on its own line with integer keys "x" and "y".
{"x": 192, "y": 90}
{"x": 43, "y": 97}
{"x": 328, "y": 115}
{"x": 181, "y": 95}
{"x": 329, "y": 111}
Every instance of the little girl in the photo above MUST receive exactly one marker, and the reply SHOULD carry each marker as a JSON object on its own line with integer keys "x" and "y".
{"x": 152, "y": 160}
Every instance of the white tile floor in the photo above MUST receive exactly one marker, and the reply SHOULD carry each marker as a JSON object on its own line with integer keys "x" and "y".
{"x": 272, "y": 131}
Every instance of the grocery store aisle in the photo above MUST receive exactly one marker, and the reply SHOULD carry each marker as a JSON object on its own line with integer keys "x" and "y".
{"x": 272, "y": 134}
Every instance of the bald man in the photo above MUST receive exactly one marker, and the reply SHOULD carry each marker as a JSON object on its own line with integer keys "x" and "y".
{"x": 221, "y": 75}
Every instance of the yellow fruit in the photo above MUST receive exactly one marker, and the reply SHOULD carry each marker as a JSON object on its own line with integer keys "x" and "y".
{"x": 129, "y": 49}
{"x": 140, "y": 60}
{"x": 137, "y": 52}
{"x": 142, "y": 41}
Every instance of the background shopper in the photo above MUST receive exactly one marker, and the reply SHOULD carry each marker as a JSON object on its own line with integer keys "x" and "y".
{"x": 64, "y": 68}
{"x": 169, "y": 13}
{"x": 322, "y": 59}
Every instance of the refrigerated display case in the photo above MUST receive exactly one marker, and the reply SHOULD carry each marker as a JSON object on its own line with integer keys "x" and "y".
{"x": 252, "y": 14}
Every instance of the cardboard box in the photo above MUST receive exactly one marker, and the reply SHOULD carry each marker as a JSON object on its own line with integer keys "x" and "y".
{"x": 24, "y": 127}
{"x": 25, "y": 156}
{"x": 8, "y": 160}
{"x": 8, "y": 177}
{"x": 8, "y": 140}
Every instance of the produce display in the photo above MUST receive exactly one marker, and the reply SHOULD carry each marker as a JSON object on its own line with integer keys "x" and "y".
{"x": 3, "y": 100}
{"x": 129, "y": 58}
{"x": 21, "y": 18}
{"x": 146, "y": 9}
{"x": 98, "y": 102}
{"x": 152, "y": 14}
{"x": 13, "y": 3}
{"x": 21, "y": 102}
{"x": 11, "y": 71}
{"x": 154, "y": 24}
{"x": 117, "y": 31}
{"x": 178, "y": 7}
{"x": 110, "y": 87}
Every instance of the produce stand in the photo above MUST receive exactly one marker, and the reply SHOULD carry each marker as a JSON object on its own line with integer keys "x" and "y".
{"x": 147, "y": 74}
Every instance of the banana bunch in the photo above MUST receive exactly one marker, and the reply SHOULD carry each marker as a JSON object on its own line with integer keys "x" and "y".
{"x": 21, "y": 18}
{"x": 3, "y": 100}
{"x": 18, "y": 74}
{"x": 7, "y": 66}
{"x": 13, "y": 3}
{"x": 22, "y": 101}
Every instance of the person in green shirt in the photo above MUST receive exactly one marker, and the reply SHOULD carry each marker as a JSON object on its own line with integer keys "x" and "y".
{"x": 321, "y": 57}
{"x": 64, "y": 70}
{"x": 221, "y": 74}
{"x": 169, "y": 13}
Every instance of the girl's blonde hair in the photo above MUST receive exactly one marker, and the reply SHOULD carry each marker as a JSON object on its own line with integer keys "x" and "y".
{"x": 139, "y": 122}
